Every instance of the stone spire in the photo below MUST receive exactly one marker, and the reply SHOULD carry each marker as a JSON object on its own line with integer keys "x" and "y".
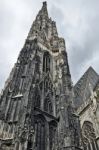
{"x": 43, "y": 12}
{"x": 43, "y": 28}
{"x": 35, "y": 108}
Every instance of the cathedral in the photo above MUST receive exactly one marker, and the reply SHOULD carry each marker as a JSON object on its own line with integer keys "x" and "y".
{"x": 40, "y": 109}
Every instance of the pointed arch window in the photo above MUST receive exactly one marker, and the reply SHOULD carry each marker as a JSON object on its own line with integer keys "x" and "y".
{"x": 52, "y": 134}
{"x": 40, "y": 126}
{"x": 48, "y": 106}
{"x": 46, "y": 62}
{"x": 89, "y": 137}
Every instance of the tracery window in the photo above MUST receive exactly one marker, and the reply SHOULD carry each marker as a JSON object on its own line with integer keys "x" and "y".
{"x": 40, "y": 126}
{"x": 46, "y": 62}
{"x": 89, "y": 137}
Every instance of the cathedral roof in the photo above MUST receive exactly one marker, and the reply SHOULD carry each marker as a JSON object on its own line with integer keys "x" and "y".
{"x": 82, "y": 89}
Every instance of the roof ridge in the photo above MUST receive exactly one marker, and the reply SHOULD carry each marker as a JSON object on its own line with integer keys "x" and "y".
{"x": 81, "y": 88}
{"x": 87, "y": 72}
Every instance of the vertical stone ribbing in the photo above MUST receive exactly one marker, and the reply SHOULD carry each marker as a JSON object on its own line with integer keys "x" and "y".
{"x": 36, "y": 104}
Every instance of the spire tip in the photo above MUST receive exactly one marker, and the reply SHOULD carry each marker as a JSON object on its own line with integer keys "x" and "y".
{"x": 44, "y": 3}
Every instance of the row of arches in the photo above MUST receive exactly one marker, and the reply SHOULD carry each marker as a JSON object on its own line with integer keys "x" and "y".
{"x": 44, "y": 134}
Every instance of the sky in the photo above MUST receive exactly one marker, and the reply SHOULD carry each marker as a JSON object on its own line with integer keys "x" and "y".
{"x": 77, "y": 22}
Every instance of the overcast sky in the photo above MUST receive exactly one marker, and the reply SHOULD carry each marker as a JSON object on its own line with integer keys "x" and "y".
{"x": 77, "y": 21}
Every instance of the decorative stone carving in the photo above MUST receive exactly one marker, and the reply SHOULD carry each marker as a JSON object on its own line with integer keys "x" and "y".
{"x": 39, "y": 78}
{"x": 88, "y": 133}
{"x": 23, "y": 136}
{"x": 93, "y": 99}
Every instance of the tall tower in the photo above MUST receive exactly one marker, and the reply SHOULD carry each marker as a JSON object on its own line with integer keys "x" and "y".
{"x": 36, "y": 110}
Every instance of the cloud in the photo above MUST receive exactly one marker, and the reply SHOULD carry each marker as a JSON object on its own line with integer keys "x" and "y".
{"x": 77, "y": 21}
{"x": 79, "y": 24}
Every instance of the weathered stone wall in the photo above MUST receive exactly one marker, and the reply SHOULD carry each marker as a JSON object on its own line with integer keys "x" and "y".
{"x": 89, "y": 112}
{"x": 36, "y": 107}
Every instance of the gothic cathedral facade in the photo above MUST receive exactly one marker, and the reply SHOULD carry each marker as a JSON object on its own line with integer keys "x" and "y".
{"x": 36, "y": 105}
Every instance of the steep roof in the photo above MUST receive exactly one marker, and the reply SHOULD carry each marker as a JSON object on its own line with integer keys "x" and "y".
{"x": 82, "y": 89}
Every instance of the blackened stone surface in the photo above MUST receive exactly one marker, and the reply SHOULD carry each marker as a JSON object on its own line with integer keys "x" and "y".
{"x": 36, "y": 109}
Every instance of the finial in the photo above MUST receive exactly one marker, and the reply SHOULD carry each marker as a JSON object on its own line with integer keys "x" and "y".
{"x": 44, "y": 3}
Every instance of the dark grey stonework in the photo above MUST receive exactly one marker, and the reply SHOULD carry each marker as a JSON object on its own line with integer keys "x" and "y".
{"x": 36, "y": 105}
{"x": 86, "y": 103}
{"x": 82, "y": 89}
